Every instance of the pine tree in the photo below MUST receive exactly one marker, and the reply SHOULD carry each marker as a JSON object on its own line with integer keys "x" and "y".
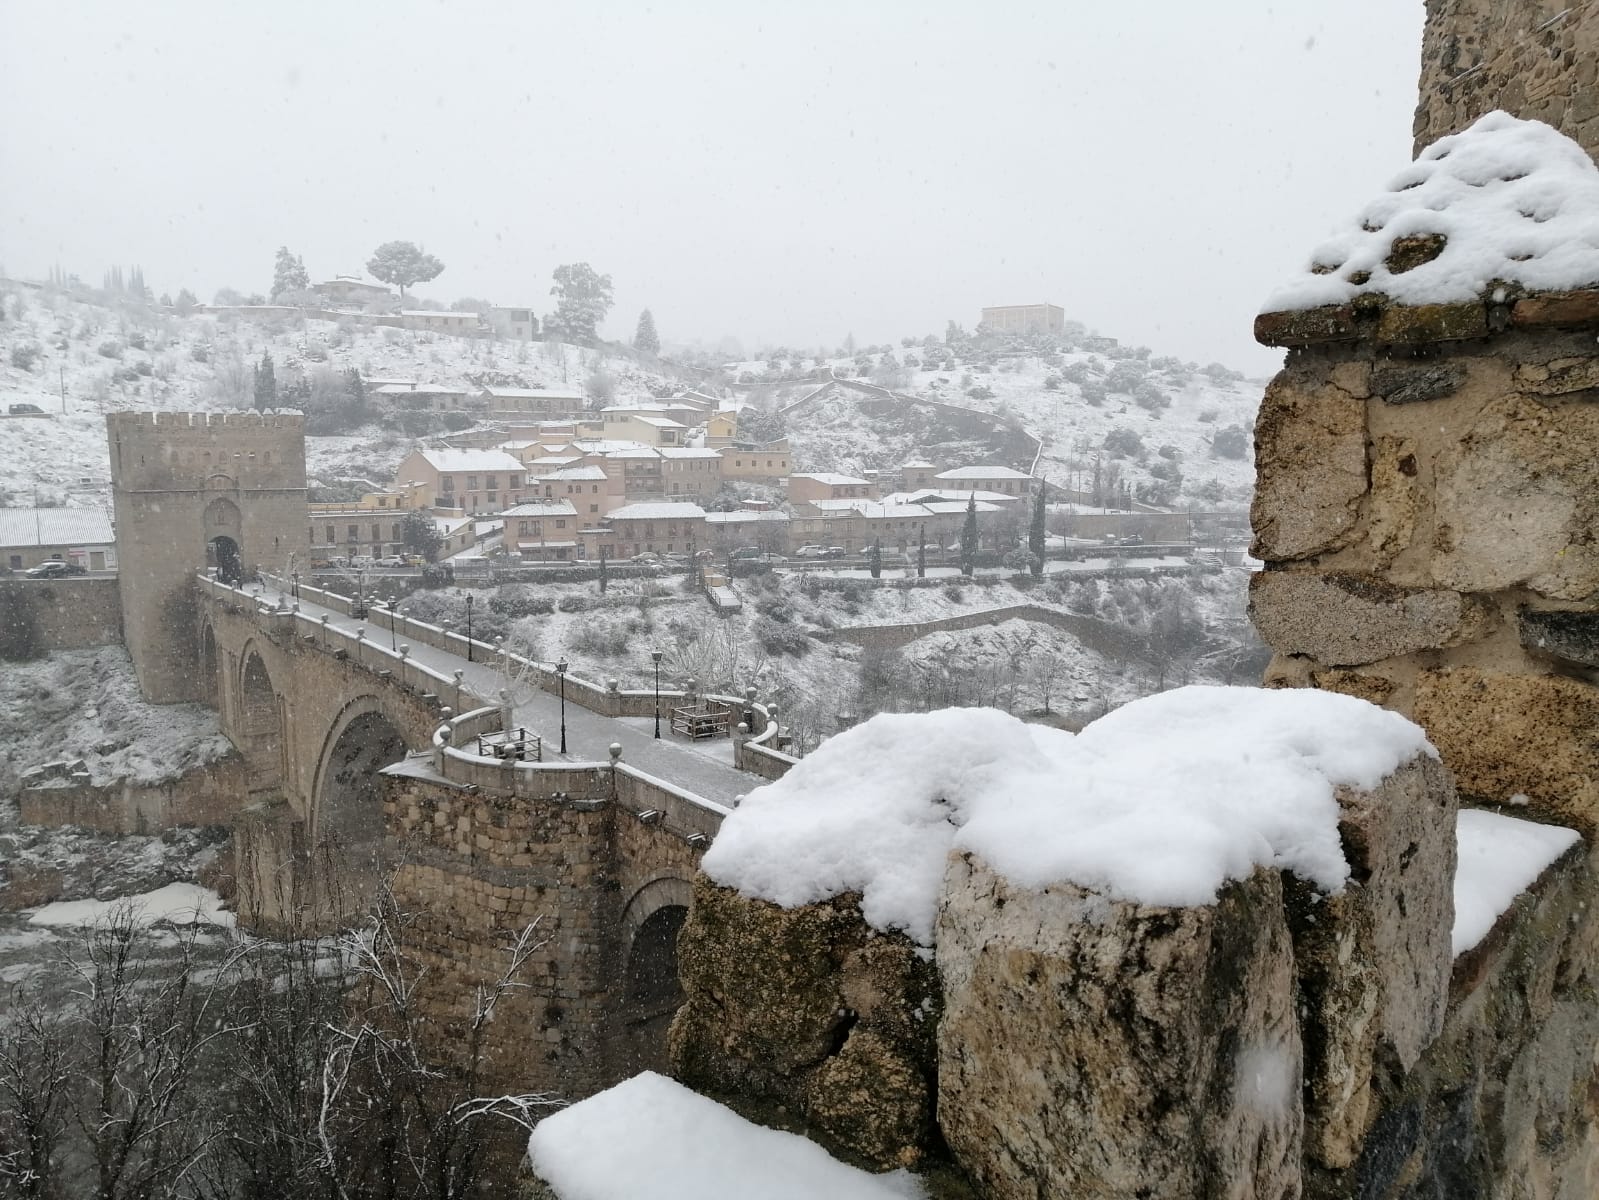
{"x": 645, "y": 338}
{"x": 1035, "y": 536}
{"x": 289, "y": 274}
{"x": 969, "y": 538}
{"x": 921, "y": 555}
{"x": 874, "y": 559}
{"x": 266, "y": 383}
{"x": 602, "y": 570}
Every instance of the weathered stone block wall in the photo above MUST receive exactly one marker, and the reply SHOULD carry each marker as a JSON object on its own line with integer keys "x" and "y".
{"x": 1067, "y": 1043}
{"x": 1429, "y": 517}
{"x": 1533, "y": 58}
{"x": 1428, "y": 511}
{"x": 808, "y": 1018}
{"x": 204, "y": 795}
{"x": 40, "y": 615}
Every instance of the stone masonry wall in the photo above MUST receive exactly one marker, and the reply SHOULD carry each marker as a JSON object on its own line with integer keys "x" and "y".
{"x": 205, "y": 795}
{"x": 476, "y": 869}
{"x": 1532, "y": 58}
{"x": 1429, "y": 517}
{"x": 41, "y": 615}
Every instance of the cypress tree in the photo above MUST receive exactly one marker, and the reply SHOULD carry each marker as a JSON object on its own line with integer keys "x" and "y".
{"x": 1035, "y": 536}
{"x": 874, "y": 560}
{"x": 969, "y": 538}
{"x": 266, "y": 383}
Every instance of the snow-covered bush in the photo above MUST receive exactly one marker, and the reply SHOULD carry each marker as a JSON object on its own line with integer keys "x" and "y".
{"x": 1232, "y": 442}
{"x": 24, "y": 355}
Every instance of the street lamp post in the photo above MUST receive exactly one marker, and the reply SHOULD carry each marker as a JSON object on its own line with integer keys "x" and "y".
{"x": 469, "y": 627}
{"x": 560, "y": 670}
{"x": 657, "y": 656}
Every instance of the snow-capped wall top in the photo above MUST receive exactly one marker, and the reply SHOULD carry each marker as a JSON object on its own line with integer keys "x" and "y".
{"x": 1161, "y": 802}
{"x": 1504, "y": 200}
{"x": 650, "y": 1138}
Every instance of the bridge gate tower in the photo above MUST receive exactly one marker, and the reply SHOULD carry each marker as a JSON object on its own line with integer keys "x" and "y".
{"x": 192, "y": 490}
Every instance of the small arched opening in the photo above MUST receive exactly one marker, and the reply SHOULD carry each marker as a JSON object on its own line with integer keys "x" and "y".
{"x": 261, "y": 728}
{"x": 652, "y": 983}
{"x": 208, "y": 666}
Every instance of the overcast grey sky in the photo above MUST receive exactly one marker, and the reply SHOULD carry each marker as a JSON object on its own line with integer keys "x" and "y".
{"x": 783, "y": 174}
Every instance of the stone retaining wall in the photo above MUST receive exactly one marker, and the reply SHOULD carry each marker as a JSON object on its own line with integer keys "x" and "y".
{"x": 204, "y": 795}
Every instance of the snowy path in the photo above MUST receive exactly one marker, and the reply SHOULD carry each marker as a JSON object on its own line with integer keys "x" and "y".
{"x": 705, "y": 768}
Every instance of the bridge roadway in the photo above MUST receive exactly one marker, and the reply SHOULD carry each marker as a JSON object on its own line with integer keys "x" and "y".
{"x": 705, "y": 770}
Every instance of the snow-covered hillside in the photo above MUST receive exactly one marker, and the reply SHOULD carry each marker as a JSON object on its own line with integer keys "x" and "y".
{"x": 1177, "y": 433}
{"x": 127, "y": 355}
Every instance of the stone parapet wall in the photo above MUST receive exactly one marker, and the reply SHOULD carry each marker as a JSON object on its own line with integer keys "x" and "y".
{"x": 1533, "y": 58}
{"x": 1064, "y": 1042}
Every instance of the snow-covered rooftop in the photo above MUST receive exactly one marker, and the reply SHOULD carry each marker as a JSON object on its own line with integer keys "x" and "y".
{"x": 571, "y": 474}
{"x": 981, "y": 472}
{"x": 1503, "y": 200}
{"x": 660, "y": 422}
{"x": 54, "y": 527}
{"x": 419, "y": 389}
{"x": 1160, "y": 802}
{"x": 950, "y": 495}
{"x": 688, "y": 452}
{"x": 743, "y": 517}
{"x": 657, "y": 511}
{"x": 651, "y": 1138}
{"x": 516, "y": 393}
{"x": 542, "y": 508}
{"x": 831, "y": 478}
{"x": 433, "y": 312}
{"x": 454, "y": 459}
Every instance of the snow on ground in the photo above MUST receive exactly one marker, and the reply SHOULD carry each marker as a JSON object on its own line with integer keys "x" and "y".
{"x": 86, "y": 704}
{"x": 118, "y": 356}
{"x": 174, "y": 904}
{"x": 1516, "y": 200}
{"x": 651, "y": 1138}
{"x": 1500, "y": 857}
{"x": 1160, "y": 802}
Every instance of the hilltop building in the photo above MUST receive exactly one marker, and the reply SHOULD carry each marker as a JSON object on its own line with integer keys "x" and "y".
{"x": 1025, "y": 318}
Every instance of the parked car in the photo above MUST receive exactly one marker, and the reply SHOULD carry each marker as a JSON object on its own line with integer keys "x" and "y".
{"x": 835, "y": 552}
{"x": 746, "y": 552}
{"x": 361, "y": 561}
{"x": 392, "y": 560}
{"x": 26, "y": 410}
{"x": 810, "y": 552}
{"x": 54, "y": 569}
{"x": 649, "y": 556}
{"x": 893, "y": 558}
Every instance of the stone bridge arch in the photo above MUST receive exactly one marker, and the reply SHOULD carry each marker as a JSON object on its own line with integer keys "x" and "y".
{"x": 260, "y": 724}
{"x": 346, "y": 801}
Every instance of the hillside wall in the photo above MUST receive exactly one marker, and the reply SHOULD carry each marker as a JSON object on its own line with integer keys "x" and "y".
{"x": 205, "y": 795}
{"x": 41, "y": 615}
{"x": 1532, "y": 58}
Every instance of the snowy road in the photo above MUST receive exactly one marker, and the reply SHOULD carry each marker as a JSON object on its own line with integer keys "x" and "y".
{"x": 704, "y": 768}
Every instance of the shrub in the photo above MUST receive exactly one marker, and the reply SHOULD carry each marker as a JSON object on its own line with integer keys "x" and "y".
{"x": 574, "y": 604}
{"x": 136, "y": 340}
{"x": 200, "y": 354}
{"x": 980, "y": 392}
{"x": 1232, "y": 442}
{"x": 111, "y": 349}
{"x": 1123, "y": 442}
{"x": 954, "y": 594}
{"x": 778, "y": 638}
{"x": 143, "y": 368}
{"x": 456, "y": 421}
{"x": 24, "y": 356}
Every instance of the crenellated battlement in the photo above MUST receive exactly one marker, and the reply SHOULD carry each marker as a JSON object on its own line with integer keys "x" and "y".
{"x": 134, "y": 423}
